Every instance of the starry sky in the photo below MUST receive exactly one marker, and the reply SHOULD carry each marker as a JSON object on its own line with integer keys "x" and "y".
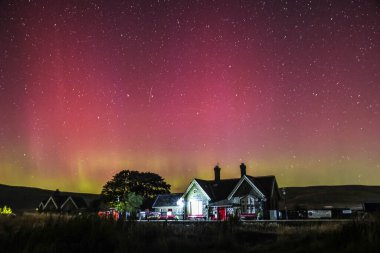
{"x": 87, "y": 88}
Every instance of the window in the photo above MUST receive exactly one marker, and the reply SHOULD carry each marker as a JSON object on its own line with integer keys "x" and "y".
{"x": 195, "y": 207}
{"x": 247, "y": 205}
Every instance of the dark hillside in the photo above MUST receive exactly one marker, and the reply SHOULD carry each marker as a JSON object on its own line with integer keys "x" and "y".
{"x": 337, "y": 196}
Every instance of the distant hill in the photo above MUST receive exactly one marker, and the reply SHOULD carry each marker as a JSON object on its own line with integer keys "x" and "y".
{"x": 351, "y": 196}
{"x": 21, "y": 198}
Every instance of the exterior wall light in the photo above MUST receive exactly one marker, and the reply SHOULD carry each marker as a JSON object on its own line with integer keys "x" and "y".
{"x": 180, "y": 202}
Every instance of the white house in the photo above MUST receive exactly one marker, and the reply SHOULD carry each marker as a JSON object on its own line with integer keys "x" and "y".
{"x": 246, "y": 197}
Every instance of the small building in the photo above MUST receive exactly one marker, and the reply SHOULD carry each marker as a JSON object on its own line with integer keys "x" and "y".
{"x": 169, "y": 206}
{"x": 325, "y": 210}
{"x": 62, "y": 203}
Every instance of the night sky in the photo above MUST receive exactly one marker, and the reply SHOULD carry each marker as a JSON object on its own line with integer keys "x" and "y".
{"x": 87, "y": 88}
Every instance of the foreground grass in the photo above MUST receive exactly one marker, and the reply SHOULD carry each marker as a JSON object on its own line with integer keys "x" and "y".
{"x": 351, "y": 236}
{"x": 89, "y": 234}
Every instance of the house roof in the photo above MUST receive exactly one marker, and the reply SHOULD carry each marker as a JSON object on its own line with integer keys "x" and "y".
{"x": 167, "y": 199}
{"x": 265, "y": 184}
{"x": 220, "y": 191}
{"x": 79, "y": 201}
{"x": 59, "y": 200}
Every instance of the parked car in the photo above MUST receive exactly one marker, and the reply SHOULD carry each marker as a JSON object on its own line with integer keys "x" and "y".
{"x": 168, "y": 217}
{"x": 153, "y": 216}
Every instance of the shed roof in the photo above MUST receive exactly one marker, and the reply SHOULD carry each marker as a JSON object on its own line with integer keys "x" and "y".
{"x": 163, "y": 200}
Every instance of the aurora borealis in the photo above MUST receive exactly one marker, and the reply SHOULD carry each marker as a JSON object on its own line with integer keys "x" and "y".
{"x": 87, "y": 88}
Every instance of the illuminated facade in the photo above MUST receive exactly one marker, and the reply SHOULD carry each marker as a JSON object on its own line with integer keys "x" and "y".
{"x": 246, "y": 197}
{"x": 170, "y": 206}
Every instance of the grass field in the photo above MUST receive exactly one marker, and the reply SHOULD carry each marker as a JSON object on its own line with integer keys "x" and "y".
{"x": 90, "y": 234}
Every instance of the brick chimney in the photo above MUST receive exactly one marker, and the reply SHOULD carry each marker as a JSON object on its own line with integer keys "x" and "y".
{"x": 243, "y": 169}
{"x": 217, "y": 174}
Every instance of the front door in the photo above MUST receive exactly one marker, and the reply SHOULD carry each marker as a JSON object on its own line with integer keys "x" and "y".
{"x": 221, "y": 213}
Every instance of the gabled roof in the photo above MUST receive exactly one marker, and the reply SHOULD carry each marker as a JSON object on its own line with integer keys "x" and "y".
{"x": 57, "y": 200}
{"x": 252, "y": 182}
{"x": 218, "y": 190}
{"x": 167, "y": 200}
{"x": 196, "y": 183}
{"x": 41, "y": 205}
{"x": 225, "y": 188}
{"x": 79, "y": 202}
{"x": 67, "y": 200}
{"x": 266, "y": 184}
{"x": 60, "y": 200}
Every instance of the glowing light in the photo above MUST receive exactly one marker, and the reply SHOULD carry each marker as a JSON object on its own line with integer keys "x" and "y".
{"x": 180, "y": 203}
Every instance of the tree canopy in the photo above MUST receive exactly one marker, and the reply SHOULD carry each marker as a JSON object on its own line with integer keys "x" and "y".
{"x": 131, "y": 203}
{"x": 146, "y": 184}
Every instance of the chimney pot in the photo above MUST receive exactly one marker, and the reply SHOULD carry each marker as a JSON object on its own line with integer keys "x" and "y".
{"x": 217, "y": 174}
{"x": 243, "y": 169}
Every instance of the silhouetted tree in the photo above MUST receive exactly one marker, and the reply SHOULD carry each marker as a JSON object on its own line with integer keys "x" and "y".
{"x": 146, "y": 184}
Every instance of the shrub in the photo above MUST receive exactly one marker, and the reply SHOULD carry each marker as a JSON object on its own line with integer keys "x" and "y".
{"x": 6, "y": 210}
